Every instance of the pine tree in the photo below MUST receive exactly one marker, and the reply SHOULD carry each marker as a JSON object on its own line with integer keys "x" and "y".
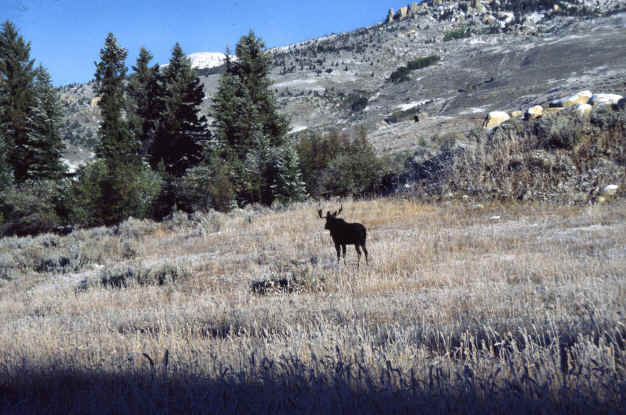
{"x": 147, "y": 100}
{"x": 118, "y": 147}
{"x": 117, "y": 143}
{"x": 43, "y": 130}
{"x": 182, "y": 131}
{"x": 251, "y": 135}
{"x": 16, "y": 97}
{"x": 30, "y": 112}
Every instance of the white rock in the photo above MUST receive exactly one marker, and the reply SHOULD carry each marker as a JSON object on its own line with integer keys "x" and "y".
{"x": 534, "y": 112}
{"x": 604, "y": 99}
{"x": 610, "y": 190}
{"x": 495, "y": 118}
{"x": 581, "y": 97}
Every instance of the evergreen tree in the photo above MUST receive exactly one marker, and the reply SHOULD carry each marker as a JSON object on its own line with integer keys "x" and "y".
{"x": 118, "y": 147}
{"x": 251, "y": 135}
{"x": 43, "y": 130}
{"x": 182, "y": 131}
{"x": 16, "y": 97}
{"x": 117, "y": 143}
{"x": 29, "y": 112}
{"x": 146, "y": 105}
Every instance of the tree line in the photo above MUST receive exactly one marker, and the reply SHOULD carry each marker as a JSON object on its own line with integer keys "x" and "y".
{"x": 156, "y": 152}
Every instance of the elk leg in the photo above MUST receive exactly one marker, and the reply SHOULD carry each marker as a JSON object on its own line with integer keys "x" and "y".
{"x": 338, "y": 249}
{"x": 358, "y": 252}
{"x": 344, "y": 253}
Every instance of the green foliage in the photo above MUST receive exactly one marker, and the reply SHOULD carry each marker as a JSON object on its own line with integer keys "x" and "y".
{"x": 251, "y": 135}
{"x": 338, "y": 165}
{"x": 31, "y": 207}
{"x": 460, "y": 33}
{"x": 102, "y": 196}
{"x": 402, "y": 73}
{"x": 421, "y": 63}
{"x": 117, "y": 146}
{"x": 146, "y": 104}
{"x": 29, "y": 112}
{"x": 44, "y": 130}
{"x": 357, "y": 102}
{"x": 181, "y": 130}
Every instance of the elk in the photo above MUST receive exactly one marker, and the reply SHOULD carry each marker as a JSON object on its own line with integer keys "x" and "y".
{"x": 344, "y": 233}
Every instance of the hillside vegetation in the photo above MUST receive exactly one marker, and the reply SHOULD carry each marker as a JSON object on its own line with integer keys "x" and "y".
{"x": 490, "y": 309}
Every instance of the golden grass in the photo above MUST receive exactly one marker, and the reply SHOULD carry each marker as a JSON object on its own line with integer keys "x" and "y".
{"x": 448, "y": 287}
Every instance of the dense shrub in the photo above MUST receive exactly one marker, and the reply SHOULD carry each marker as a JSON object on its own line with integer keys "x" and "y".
{"x": 32, "y": 207}
{"x": 402, "y": 73}
{"x": 335, "y": 164}
{"x": 459, "y": 33}
{"x": 124, "y": 276}
{"x": 92, "y": 194}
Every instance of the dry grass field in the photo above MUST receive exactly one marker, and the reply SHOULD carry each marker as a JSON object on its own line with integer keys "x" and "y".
{"x": 462, "y": 309}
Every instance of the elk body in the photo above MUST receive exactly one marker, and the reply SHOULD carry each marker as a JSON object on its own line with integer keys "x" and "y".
{"x": 344, "y": 233}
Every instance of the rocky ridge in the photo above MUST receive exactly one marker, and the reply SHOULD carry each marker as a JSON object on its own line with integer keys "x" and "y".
{"x": 492, "y": 55}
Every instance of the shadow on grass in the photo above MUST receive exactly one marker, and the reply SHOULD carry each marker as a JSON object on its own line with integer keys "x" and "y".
{"x": 342, "y": 391}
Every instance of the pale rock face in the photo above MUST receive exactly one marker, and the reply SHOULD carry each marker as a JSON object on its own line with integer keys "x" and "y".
{"x": 517, "y": 114}
{"x": 581, "y": 97}
{"x": 534, "y": 112}
{"x": 495, "y": 118}
{"x": 403, "y": 12}
{"x": 604, "y": 99}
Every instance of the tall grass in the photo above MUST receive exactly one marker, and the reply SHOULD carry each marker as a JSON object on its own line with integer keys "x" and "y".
{"x": 457, "y": 312}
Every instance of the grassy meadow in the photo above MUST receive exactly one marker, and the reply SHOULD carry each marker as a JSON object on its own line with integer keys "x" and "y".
{"x": 463, "y": 308}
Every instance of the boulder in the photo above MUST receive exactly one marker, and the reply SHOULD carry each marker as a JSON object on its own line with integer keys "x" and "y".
{"x": 495, "y": 118}
{"x": 403, "y": 12}
{"x": 604, "y": 99}
{"x": 517, "y": 114}
{"x": 610, "y": 190}
{"x": 534, "y": 112}
{"x": 581, "y": 97}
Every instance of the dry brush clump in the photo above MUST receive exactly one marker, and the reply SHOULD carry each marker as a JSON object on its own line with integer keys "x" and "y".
{"x": 500, "y": 308}
{"x": 563, "y": 157}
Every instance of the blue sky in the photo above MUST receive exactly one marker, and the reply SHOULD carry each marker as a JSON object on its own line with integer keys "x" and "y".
{"x": 66, "y": 35}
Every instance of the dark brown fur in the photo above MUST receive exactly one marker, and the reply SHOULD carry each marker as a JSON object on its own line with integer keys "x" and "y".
{"x": 344, "y": 233}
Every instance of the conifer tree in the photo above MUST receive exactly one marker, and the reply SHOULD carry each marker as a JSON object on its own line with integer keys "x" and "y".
{"x": 147, "y": 100}
{"x": 182, "y": 131}
{"x": 43, "y": 130}
{"x": 29, "y": 112}
{"x": 16, "y": 97}
{"x": 118, "y": 147}
{"x": 250, "y": 133}
{"x": 117, "y": 143}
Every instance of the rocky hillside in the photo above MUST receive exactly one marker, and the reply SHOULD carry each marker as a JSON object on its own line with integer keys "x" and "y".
{"x": 430, "y": 71}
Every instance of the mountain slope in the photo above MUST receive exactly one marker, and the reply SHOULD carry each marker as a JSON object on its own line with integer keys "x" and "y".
{"x": 510, "y": 60}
